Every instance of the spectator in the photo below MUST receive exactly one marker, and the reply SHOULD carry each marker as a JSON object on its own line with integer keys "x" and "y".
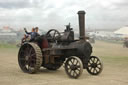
{"x": 36, "y": 30}
{"x": 23, "y": 39}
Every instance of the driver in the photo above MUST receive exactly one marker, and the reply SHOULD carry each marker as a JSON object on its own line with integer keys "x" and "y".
{"x": 32, "y": 34}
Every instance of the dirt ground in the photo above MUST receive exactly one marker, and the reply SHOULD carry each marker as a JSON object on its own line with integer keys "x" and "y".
{"x": 115, "y": 72}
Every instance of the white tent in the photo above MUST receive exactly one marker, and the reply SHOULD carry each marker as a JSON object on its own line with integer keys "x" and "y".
{"x": 122, "y": 31}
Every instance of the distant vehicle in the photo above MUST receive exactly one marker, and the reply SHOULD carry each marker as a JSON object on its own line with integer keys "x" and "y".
{"x": 92, "y": 40}
{"x": 125, "y": 42}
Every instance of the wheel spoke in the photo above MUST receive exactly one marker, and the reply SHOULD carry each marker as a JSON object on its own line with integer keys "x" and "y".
{"x": 92, "y": 60}
{"x": 77, "y": 62}
{"x": 78, "y": 66}
{"x": 32, "y": 55}
{"x": 70, "y": 63}
{"x": 96, "y": 60}
{"x": 90, "y": 68}
{"x": 99, "y": 64}
{"x": 27, "y": 47}
{"x": 78, "y": 70}
{"x": 93, "y": 70}
{"x": 70, "y": 71}
{"x": 75, "y": 73}
{"x": 73, "y": 60}
{"x": 98, "y": 68}
{"x": 30, "y": 50}
{"x": 22, "y": 51}
{"x": 22, "y": 58}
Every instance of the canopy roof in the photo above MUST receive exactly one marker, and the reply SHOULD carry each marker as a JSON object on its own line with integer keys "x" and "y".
{"x": 123, "y": 30}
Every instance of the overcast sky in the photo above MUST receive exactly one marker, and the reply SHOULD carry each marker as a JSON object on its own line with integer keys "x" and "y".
{"x": 47, "y": 14}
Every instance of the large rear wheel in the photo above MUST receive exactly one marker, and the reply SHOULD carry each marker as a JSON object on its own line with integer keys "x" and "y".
{"x": 30, "y": 57}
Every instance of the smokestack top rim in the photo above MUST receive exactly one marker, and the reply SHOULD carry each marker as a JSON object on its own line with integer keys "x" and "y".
{"x": 81, "y": 12}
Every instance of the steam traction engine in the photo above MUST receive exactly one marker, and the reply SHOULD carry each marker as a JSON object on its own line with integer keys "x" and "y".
{"x": 54, "y": 49}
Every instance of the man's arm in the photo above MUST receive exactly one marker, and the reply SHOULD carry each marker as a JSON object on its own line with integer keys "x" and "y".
{"x": 26, "y": 31}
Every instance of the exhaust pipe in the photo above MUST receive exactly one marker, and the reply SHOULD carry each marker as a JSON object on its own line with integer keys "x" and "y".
{"x": 81, "y": 15}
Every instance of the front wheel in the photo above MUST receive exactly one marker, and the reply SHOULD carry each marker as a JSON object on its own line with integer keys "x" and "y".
{"x": 94, "y": 66}
{"x": 73, "y": 67}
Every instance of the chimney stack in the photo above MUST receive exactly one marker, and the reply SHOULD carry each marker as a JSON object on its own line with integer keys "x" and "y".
{"x": 81, "y": 15}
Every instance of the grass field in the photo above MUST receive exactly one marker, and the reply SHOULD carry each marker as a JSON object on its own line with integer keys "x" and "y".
{"x": 111, "y": 53}
{"x": 115, "y": 72}
{"x": 5, "y": 45}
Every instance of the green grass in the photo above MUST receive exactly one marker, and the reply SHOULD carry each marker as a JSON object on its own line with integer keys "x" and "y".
{"x": 115, "y": 59}
{"x": 111, "y": 54}
{"x": 8, "y": 50}
{"x": 113, "y": 41}
{"x": 4, "y": 45}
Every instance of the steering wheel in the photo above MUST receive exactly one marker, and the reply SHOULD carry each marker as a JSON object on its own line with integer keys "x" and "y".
{"x": 53, "y": 34}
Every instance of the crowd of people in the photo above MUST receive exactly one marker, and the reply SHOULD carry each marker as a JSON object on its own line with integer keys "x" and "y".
{"x": 30, "y": 36}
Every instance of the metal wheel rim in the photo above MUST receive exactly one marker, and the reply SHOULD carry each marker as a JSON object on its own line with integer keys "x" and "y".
{"x": 95, "y": 66}
{"x": 28, "y": 59}
{"x": 73, "y": 72}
